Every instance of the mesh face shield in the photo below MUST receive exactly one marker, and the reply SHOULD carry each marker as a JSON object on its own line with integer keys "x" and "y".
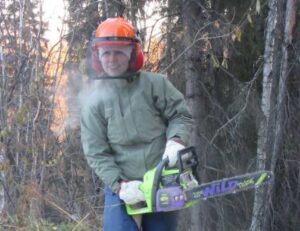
{"x": 114, "y": 58}
{"x": 123, "y": 53}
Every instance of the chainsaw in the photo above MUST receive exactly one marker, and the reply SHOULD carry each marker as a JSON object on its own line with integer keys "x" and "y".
{"x": 168, "y": 189}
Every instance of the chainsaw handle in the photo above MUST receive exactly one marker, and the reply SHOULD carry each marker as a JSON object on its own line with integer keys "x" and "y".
{"x": 156, "y": 180}
{"x": 188, "y": 159}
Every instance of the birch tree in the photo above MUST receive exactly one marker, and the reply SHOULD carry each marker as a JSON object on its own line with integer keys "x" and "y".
{"x": 274, "y": 101}
{"x": 2, "y": 150}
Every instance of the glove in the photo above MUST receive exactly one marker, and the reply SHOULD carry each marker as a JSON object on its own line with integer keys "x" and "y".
{"x": 172, "y": 148}
{"x": 130, "y": 192}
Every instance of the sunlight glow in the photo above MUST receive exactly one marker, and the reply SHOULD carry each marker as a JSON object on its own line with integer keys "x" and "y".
{"x": 54, "y": 13}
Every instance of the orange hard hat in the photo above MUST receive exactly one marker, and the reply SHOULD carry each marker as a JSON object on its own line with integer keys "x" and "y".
{"x": 115, "y": 31}
{"x": 115, "y": 27}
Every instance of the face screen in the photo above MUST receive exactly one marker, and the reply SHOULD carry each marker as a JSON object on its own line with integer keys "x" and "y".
{"x": 116, "y": 58}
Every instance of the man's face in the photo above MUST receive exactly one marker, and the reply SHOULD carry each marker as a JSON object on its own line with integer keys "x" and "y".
{"x": 114, "y": 60}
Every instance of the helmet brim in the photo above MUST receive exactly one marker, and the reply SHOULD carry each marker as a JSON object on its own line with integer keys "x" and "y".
{"x": 109, "y": 43}
{"x": 113, "y": 41}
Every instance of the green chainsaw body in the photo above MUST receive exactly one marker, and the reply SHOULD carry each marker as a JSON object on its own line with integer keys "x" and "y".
{"x": 169, "y": 189}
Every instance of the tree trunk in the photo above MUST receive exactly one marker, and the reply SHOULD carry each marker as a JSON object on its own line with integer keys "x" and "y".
{"x": 263, "y": 146}
{"x": 2, "y": 149}
{"x": 273, "y": 102}
{"x": 197, "y": 73}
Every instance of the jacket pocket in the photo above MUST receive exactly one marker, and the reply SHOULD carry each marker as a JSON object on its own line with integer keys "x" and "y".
{"x": 115, "y": 125}
{"x": 148, "y": 120}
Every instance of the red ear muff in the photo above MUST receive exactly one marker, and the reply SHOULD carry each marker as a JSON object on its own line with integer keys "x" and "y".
{"x": 96, "y": 65}
{"x": 137, "y": 58}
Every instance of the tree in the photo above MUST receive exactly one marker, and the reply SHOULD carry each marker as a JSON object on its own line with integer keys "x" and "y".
{"x": 24, "y": 106}
{"x": 279, "y": 61}
{"x": 220, "y": 102}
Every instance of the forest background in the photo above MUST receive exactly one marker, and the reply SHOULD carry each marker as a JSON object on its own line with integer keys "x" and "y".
{"x": 235, "y": 61}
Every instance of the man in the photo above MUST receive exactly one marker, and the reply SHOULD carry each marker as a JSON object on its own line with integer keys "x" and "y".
{"x": 128, "y": 124}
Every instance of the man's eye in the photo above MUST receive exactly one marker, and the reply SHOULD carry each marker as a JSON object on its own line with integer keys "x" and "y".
{"x": 104, "y": 54}
{"x": 109, "y": 53}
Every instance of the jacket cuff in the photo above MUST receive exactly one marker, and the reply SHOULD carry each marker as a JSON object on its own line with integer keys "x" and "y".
{"x": 184, "y": 137}
{"x": 117, "y": 186}
{"x": 178, "y": 140}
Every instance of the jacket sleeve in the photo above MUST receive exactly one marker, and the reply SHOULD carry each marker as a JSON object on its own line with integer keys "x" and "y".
{"x": 96, "y": 148}
{"x": 174, "y": 110}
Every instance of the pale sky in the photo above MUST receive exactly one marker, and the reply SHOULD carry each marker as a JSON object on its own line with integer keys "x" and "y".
{"x": 53, "y": 14}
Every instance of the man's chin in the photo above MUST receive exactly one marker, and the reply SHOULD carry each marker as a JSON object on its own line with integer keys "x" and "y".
{"x": 115, "y": 73}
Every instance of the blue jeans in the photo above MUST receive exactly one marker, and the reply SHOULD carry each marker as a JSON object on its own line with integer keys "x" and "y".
{"x": 116, "y": 218}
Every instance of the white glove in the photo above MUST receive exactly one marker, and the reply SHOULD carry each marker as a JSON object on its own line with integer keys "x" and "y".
{"x": 172, "y": 148}
{"x": 130, "y": 192}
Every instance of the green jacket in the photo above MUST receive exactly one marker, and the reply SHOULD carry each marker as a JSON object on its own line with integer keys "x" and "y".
{"x": 125, "y": 125}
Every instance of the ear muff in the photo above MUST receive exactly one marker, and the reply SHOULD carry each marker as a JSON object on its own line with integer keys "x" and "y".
{"x": 96, "y": 64}
{"x": 137, "y": 58}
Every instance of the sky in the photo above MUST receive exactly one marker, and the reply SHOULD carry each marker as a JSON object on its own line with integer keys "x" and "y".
{"x": 53, "y": 14}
